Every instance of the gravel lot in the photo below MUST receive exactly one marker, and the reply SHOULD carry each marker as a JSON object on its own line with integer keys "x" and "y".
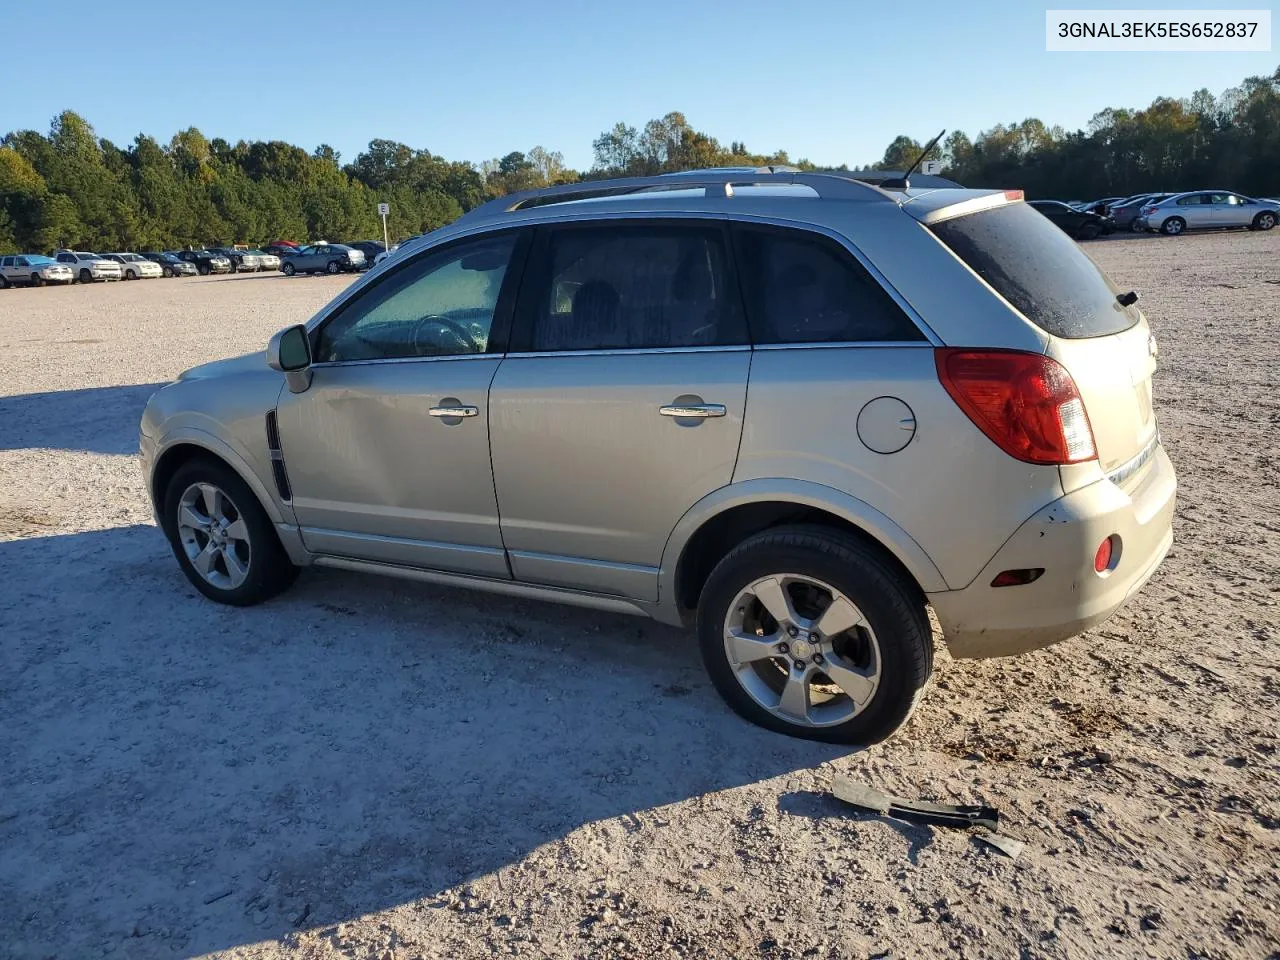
{"x": 372, "y": 768}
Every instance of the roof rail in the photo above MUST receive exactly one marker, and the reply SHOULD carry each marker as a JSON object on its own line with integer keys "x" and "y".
{"x": 828, "y": 186}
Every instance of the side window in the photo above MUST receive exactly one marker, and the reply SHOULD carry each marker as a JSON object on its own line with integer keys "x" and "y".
{"x": 6, "y": 262}
{"x": 439, "y": 305}
{"x": 66, "y": 258}
{"x": 634, "y": 286}
{"x": 805, "y": 288}
{"x": 1193, "y": 200}
{"x": 18, "y": 262}
{"x": 1216, "y": 198}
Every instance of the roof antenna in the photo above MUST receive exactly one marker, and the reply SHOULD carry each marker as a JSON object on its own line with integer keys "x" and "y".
{"x": 902, "y": 183}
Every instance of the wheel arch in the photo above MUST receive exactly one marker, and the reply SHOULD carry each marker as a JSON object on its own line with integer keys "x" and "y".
{"x": 724, "y": 518}
{"x": 192, "y": 444}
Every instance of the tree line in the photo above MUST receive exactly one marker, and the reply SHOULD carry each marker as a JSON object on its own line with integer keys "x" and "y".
{"x": 70, "y": 188}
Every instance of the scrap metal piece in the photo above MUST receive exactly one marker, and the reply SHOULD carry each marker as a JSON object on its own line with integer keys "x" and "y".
{"x": 1010, "y": 847}
{"x": 914, "y": 811}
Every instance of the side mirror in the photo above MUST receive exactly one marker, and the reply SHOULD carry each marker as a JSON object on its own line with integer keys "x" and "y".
{"x": 289, "y": 351}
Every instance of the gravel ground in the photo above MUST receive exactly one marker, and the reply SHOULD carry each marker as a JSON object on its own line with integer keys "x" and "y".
{"x": 368, "y": 768}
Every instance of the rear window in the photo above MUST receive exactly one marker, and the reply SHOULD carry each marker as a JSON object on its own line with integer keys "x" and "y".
{"x": 1039, "y": 269}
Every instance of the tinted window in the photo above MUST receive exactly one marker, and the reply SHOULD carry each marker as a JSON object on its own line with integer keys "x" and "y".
{"x": 804, "y": 288}
{"x": 6, "y": 262}
{"x": 436, "y": 306}
{"x": 635, "y": 286}
{"x": 1038, "y": 269}
{"x": 1194, "y": 200}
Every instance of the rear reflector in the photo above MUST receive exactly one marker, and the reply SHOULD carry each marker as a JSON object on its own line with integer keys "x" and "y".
{"x": 1013, "y": 194}
{"x": 1013, "y": 578}
{"x": 1025, "y": 403}
{"x": 1102, "y": 559}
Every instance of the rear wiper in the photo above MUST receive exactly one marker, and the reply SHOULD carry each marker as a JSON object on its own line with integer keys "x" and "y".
{"x": 1127, "y": 299}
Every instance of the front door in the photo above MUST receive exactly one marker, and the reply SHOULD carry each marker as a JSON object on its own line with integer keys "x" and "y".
{"x": 621, "y": 403}
{"x": 387, "y": 452}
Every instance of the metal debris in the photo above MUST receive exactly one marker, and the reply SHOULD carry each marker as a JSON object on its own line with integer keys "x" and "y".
{"x": 914, "y": 811}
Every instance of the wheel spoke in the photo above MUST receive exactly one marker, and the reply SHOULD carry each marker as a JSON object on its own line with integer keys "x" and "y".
{"x": 747, "y": 647}
{"x": 839, "y": 617}
{"x": 794, "y": 701}
{"x": 859, "y": 684}
{"x": 188, "y": 517}
{"x": 203, "y": 561}
{"x": 210, "y": 496}
{"x": 773, "y": 595}
{"x": 237, "y": 530}
{"x": 236, "y": 569}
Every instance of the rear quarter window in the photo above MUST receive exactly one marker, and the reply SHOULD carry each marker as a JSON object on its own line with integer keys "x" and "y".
{"x": 1039, "y": 270}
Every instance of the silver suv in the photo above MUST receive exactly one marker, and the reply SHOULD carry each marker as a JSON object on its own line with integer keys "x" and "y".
{"x": 792, "y": 409}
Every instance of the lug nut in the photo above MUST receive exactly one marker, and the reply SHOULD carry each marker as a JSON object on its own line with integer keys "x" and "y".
{"x": 817, "y": 658}
{"x": 792, "y": 631}
{"x": 783, "y": 649}
{"x": 799, "y": 665}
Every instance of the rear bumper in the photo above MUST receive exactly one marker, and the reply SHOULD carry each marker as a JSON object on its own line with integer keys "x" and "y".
{"x": 986, "y": 621}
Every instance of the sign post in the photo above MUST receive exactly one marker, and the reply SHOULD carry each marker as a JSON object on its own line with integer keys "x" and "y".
{"x": 384, "y": 209}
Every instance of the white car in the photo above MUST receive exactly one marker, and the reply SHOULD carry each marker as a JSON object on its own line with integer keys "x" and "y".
{"x": 134, "y": 266}
{"x": 33, "y": 269}
{"x": 90, "y": 266}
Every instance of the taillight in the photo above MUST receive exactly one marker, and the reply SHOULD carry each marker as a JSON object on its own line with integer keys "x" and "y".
{"x": 1025, "y": 403}
{"x": 1146, "y": 211}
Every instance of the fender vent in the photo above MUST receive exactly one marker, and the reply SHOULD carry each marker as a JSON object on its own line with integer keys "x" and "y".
{"x": 277, "y": 457}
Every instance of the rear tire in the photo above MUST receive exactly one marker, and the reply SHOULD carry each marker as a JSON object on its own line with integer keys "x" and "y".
{"x": 893, "y": 639}
{"x": 333, "y": 267}
{"x": 86, "y": 276}
{"x": 1135, "y": 227}
{"x": 4, "y": 282}
{"x": 1264, "y": 221}
{"x": 259, "y": 568}
{"x": 1173, "y": 226}
{"x": 1089, "y": 231}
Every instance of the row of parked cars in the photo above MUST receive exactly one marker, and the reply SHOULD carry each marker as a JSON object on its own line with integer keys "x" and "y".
{"x": 1168, "y": 213}
{"x": 83, "y": 266}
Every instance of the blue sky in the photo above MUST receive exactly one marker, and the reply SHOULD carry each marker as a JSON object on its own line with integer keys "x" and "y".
{"x": 823, "y": 80}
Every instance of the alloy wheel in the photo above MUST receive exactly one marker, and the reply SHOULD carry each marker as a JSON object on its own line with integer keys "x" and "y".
{"x": 802, "y": 650}
{"x": 214, "y": 535}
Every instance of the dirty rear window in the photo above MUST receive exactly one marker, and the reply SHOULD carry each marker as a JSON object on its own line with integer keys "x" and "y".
{"x": 1039, "y": 269}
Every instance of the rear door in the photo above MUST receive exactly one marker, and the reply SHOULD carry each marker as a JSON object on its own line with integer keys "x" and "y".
{"x": 1106, "y": 347}
{"x": 1196, "y": 209}
{"x": 621, "y": 402}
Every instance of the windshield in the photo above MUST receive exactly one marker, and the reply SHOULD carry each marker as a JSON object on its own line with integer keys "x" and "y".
{"x": 35, "y": 260}
{"x": 1039, "y": 270}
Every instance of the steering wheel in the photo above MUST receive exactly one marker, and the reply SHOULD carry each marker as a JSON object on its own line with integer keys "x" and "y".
{"x": 453, "y": 328}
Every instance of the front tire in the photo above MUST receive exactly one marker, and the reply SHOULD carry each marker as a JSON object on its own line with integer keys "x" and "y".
{"x": 203, "y": 269}
{"x": 810, "y": 632}
{"x": 222, "y": 538}
{"x": 1089, "y": 231}
{"x": 37, "y": 280}
{"x": 4, "y": 282}
{"x": 85, "y": 276}
{"x": 1264, "y": 221}
{"x": 1173, "y": 226}
{"x": 288, "y": 269}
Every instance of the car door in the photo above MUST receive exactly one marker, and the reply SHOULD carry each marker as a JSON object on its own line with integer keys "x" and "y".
{"x": 1196, "y": 209}
{"x": 7, "y": 268}
{"x": 387, "y": 451}
{"x": 620, "y": 404}
{"x": 1235, "y": 211}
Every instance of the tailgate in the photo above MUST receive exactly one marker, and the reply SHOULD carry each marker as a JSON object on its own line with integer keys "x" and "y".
{"x": 1113, "y": 375}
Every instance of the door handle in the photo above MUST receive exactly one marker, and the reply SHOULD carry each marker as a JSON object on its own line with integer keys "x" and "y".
{"x": 460, "y": 410}
{"x": 692, "y": 410}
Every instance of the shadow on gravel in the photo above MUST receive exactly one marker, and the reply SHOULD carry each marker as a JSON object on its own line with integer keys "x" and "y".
{"x": 187, "y": 777}
{"x": 96, "y": 419}
{"x": 822, "y": 806}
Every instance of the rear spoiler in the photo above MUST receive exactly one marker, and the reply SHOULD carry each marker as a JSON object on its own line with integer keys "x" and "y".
{"x": 938, "y": 205}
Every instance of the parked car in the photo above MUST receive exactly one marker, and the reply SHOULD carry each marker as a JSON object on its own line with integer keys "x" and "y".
{"x": 33, "y": 269}
{"x": 134, "y": 266}
{"x": 323, "y": 257}
{"x": 171, "y": 265}
{"x": 370, "y": 249}
{"x": 386, "y": 253}
{"x": 1079, "y": 224}
{"x": 89, "y": 267}
{"x": 242, "y": 261}
{"x": 1208, "y": 210}
{"x": 205, "y": 261}
{"x": 1125, "y": 213}
{"x": 1101, "y": 207}
{"x": 791, "y": 419}
{"x": 266, "y": 261}
{"x": 280, "y": 248}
